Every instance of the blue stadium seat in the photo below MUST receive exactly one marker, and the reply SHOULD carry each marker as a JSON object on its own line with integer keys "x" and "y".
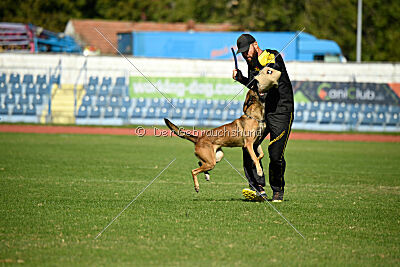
{"x": 222, "y": 104}
{"x": 140, "y": 102}
{"x": 3, "y": 110}
{"x": 156, "y": 102}
{"x": 93, "y": 80}
{"x": 301, "y": 106}
{"x": 16, "y": 88}
{"x": 82, "y": 112}
{"x": 86, "y": 101}
{"x": 355, "y": 107}
{"x": 23, "y": 100}
{"x": 367, "y": 119}
{"x": 342, "y": 107}
{"x": 194, "y": 103}
{"x": 28, "y": 78}
{"x": 369, "y": 108}
{"x": 299, "y": 116}
{"x": 204, "y": 114}
{"x": 123, "y": 113}
{"x": 10, "y": 99}
{"x": 3, "y": 88}
{"x": 3, "y": 78}
{"x": 380, "y": 119}
{"x": 176, "y": 113}
{"x": 55, "y": 79}
{"x": 235, "y": 104}
{"x": 326, "y": 117}
{"x": 217, "y": 115}
{"x": 44, "y": 89}
{"x": 104, "y": 90}
{"x": 17, "y": 110}
{"x": 190, "y": 114}
{"x": 30, "y": 111}
{"x": 315, "y": 106}
{"x": 164, "y": 113}
{"x": 393, "y": 119}
{"x": 207, "y": 104}
{"x": 115, "y": 102}
{"x": 137, "y": 113}
{"x": 126, "y": 102}
{"x": 37, "y": 100}
{"x": 95, "y": 112}
{"x": 101, "y": 101}
{"x": 231, "y": 115}
{"x": 312, "y": 117}
{"x": 91, "y": 90}
{"x": 120, "y": 81}
{"x": 151, "y": 113}
{"x": 353, "y": 118}
{"x": 339, "y": 118}
{"x": 106, "y": 81}
{"x": 383, "y": 108}
{"x": 179, "y": 103}
{"x": 116, "y": 91}
{"x": 30, "y": 89}
{"x": 40, "y": 79}
{"x": 328, "y": 106}
{"x": 395, "y": 109}
{"x": 109, "y": 113}
{"x": 14, "y": 78}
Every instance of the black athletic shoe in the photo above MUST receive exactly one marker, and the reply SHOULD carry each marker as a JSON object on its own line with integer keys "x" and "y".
{"x": 277, "y": 197}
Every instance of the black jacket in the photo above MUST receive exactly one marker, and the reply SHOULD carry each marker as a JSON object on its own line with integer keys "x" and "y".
{"x": 278, "y": 100}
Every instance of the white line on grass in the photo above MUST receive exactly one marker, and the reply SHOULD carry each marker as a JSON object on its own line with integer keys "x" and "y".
{"x": 116, "y": 49}
{"x": 134, "y": 198}
{"x": 266, "y": 201}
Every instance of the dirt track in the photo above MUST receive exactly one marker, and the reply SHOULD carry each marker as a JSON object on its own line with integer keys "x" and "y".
{"x": 158, "y": 132}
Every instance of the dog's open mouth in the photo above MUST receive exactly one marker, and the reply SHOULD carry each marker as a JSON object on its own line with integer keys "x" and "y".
{"x": 261, "y": 94}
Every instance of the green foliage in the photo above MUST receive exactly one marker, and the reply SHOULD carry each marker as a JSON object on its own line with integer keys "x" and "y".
{"x": 335, "y": 20}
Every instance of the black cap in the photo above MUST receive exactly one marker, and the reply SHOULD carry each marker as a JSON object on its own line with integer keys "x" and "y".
{"x": 244, "y": 42}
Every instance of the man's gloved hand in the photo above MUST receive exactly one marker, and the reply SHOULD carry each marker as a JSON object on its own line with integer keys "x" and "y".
{"x": 237, "y": 75}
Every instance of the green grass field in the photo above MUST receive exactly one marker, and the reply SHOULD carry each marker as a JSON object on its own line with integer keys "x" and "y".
{"x": 59, "y": 191}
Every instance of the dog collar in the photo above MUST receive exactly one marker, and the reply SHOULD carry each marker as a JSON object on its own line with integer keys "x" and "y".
{"x": 260, "y": 121}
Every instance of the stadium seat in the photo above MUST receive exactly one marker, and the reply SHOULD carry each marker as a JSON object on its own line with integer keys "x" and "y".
{"x": 14, "y": 78}
{"x": 151, "y": 113}
{"x": 353, "y": 118}
{"x": 126, "y": 102}
{"x": 328, "y": 106}
{"x": 315, "y": 106}
{"x": 221, "y": 104}
{"x": 123, "y": 113}
{"x": 190, "y": 114}
{"x": 176, "y": 113}
{"x": 30, "y": 111}
{"x": 367, "y": 119}
{"x": 231, "y": 115}
{"x": 355, "y": 108}
{"x": 339, "y": 118}
{"x": 164, "y": 113}
{"x": 86, "y": 101}
{"x": 312, "y": 117}
{"x": 101, "y": 101}
{"x": 23, "y": 100}
{"x": 38, "y": 100}
{"x": 120, "y": 81}
{"x": 91, "y": 90}
{"x": 3, "y": 78}
{"x": 179, "y": 103}
{"x": 3, "y": 110}
{"x": 3, "y": 88}
{"x": 342, "y": 107}
{"x": 104, "y": 90}
{"x": 109, "y": 113}
{"x": 28, "y": 78}
{"x": 106, "y": 81}
{"x": 235, "y": 104}
{"x": 140, "y": 102}
{"x": 82, "y": 112}
{"x": 217, "y": 115}
{"x": 380, "y": 119}
{"x": 369, "y": 108}
{"x": 55, "y": 79}
{"x": 204, "y": 115}
{"x": 395, "y": 109}
{"x": 30, "y": 89}
{"x": 383, "y": 108}
{"x": 44, "y": 89}
{"x": 299, "y": 116}
{"x": 10, "y": 99}
{"x": 115, "y": 102}
{"x": 207, "y": 104}
{"x": 116, "y": 91}
{"x": 17, "y": 110}
{"x": 16, "y": 88}
{"x": 393, "y": 119}
{"x": 326, "y": 117}
{"x": 301, "y": 106}
{"x": 40, "y": 79}
{"x": 93, "y": 80}
{"x": 95, "y": 112}
{"x": 194, "y": 103}
{"x": 137, "y": 113}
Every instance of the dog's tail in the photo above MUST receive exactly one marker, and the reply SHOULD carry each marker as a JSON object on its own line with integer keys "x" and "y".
{"x": 179, "y": 131}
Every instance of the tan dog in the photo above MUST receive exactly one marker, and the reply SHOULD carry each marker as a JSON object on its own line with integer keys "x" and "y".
{"x": 242, "y": 132}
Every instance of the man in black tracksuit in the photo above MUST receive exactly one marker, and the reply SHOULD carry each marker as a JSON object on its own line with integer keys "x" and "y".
{"x": 279, "y": 107}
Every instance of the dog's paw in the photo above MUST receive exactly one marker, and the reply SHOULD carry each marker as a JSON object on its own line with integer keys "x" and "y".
{"x": 207, "y": 177}
{"x": 197, "y": 189}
